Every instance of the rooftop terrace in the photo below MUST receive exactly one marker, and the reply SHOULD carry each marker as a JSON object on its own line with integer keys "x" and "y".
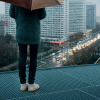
{"x": 80, "y": 82}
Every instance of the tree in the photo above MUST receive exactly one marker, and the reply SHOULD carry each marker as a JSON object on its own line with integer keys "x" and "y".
{"x": 1, "y": 38}
{"x": 8, "y": 38}
{"x": 96, "y": 29}
{"x": 8, "y": 52}
{"x": 85, "y": 55}
{"x": 75, "y": 37}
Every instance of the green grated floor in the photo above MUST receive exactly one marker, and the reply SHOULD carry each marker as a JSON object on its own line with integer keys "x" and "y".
{"x": 63, "y": 83}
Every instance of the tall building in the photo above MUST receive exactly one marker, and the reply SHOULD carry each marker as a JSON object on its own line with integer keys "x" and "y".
{"x": 90, "y": 15}
{"x": 2, "y": 17}
{"x": 55, "y": 27}
{"x": 1, "y": 27}
{"x": 98, "y": 20}
{"x": 77, "y": 16}
{"x": 2, "y": 24}
{"x": 10, "y": 25}
{"x": 60, "y": 22}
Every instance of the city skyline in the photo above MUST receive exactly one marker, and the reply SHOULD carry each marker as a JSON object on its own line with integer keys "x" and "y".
{"x": 97, "y": 2}
{"x": 67, "y": 20}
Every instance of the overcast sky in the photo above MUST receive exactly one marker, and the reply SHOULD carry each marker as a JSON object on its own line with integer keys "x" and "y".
{"x": 97, "y": 2}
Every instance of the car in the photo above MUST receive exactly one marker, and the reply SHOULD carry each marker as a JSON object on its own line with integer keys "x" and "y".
{"x": 50, "y": 55}
{"x": 59, "y": 56}
{"x": 56, "y": 52}
{"x": 59, "y": 51}
{"x": 42, "y": 62}
{"x": 53, "y": 54}
{"x": 58, "y": 59}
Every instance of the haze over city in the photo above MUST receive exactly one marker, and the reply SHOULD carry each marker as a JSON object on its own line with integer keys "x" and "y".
{"x": 97, "y": 2}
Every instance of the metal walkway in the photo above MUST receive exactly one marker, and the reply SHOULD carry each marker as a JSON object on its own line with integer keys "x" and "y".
{"x": 64, "y": 83}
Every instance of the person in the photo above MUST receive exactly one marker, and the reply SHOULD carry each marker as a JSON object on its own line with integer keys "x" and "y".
{"x": 27, "y": 33}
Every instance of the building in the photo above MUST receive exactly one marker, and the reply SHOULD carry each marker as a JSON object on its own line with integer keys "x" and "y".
{"x": 1, "y": 27}
{"x": 2, "y": 24}
{"x": 90, "y": 15}
{"x": 2, "y": 17}
{"x": 77, "y": 16}
{"x": 98, "y": 20}
{"x": 55, "y": 27}
{"x": 10, "y": 25}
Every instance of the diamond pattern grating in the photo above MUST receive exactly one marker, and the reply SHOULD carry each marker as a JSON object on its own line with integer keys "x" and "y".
{"x": 63, "y": 83}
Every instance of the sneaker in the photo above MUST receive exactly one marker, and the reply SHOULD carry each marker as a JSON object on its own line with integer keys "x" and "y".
{"x": 33, "y": 87}
{"x": 24, "y": 87}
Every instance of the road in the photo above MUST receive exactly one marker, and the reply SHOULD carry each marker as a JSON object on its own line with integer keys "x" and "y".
{"x": 84, "y": 43}
{"x": 52, "y": 61}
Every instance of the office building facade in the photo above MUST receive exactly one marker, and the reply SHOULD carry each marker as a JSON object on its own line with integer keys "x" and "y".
{"x": 77, "y": 16}
{"x": 55, "y": 27}
{"x": 10, "y": 25}
{"x": 90, "y": 15}
{"x": 98, "y": 20}
{"x": 1, "y": 27}
{"x": 2, "y": 17}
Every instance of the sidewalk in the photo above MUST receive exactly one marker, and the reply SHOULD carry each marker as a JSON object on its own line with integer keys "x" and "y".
{"x": 28, "y": 58}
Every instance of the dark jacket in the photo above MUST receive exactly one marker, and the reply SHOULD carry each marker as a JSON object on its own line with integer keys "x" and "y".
{"x": 27, "y": 24}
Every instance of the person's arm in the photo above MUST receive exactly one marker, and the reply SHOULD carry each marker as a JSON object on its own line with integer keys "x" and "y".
{"x": 12, "y": 11}
{"x": 41, "y": 13}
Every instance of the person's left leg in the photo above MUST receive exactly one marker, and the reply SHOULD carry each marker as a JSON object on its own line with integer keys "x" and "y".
{"x": 33, "y": 63}
{"x": 22, "y": 62}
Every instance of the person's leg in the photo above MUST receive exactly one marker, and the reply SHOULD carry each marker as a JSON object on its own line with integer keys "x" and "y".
{"x": 33, "y": 63}
{"x": 22, "y": 62}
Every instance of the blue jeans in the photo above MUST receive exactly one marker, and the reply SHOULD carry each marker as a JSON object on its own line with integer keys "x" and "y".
{"x": 22, "y": 62}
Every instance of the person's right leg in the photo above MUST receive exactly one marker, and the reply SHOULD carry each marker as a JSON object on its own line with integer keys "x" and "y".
{"x": 33, "y": 63}
{"x": 22, "y": 62}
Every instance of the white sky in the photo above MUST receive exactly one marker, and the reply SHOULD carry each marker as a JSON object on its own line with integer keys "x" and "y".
{"x": 97, "y": 2}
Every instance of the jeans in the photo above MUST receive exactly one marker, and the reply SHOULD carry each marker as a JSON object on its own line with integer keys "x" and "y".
{"x": 22, "y": 63}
